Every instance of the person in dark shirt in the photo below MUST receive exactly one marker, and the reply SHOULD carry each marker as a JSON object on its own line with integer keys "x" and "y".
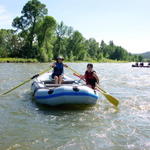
{"x": 58, "y": 70}
{"x": 136, "y": 64}
{"x": 141, "y": 64}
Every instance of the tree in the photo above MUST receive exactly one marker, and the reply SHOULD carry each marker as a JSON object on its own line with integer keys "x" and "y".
{"x": 76, "y": 46}
{"x": 32, "y": 12}
{"x": 61, "y": 40}
{"x": 92, "y": 48}
{"x": 140, "y": 58}
{"x": 45, "y": 38}
{"x": 118, "y": 54}
{"x": 47, "y": 26}
{"x": 111, "y": 43}
{"x": 6, "y": 45}
{"x": 103, "y": 48}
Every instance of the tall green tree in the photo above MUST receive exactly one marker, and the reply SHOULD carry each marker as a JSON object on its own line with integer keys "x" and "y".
{"x": 92, "y": 48}
{"x": 46, "y": 37}
{"x": 32, "y": 12}
{"x": 61, "y": 40}
{"x": 103, "y": 47}
{"x": 6, "y": 45}
{"x": 76, "y": 46}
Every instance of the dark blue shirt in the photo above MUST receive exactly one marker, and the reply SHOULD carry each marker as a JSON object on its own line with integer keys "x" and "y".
{"x": 58, "y": 69}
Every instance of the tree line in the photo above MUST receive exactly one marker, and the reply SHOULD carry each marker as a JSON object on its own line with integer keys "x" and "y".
{"x": 37, "y": 35}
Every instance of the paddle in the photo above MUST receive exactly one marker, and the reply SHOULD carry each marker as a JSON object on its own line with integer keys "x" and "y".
{"x": 109, "y": 97}
{"x": 24, "y": 82}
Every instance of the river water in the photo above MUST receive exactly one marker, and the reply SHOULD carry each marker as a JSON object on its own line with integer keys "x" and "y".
{"x": 24, "y": 125}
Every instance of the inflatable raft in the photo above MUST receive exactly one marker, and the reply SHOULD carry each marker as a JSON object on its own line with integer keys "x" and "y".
{"x": 141, "y": 66}
{"x": 69, "y": 92}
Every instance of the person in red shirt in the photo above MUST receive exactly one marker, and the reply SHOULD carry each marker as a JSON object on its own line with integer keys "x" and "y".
{"x": 90, "y": 77}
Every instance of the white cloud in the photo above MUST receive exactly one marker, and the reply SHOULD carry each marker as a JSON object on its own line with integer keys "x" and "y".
{"x": 5, "y": 18}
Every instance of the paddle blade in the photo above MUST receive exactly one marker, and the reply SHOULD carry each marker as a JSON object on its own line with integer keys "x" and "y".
{"x": 111, "y": 99}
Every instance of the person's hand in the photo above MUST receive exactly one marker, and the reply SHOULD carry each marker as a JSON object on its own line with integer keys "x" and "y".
{"x": 52, "y": 65}
{"x": 82, "y": 77}
{"x": 65, "y": 65}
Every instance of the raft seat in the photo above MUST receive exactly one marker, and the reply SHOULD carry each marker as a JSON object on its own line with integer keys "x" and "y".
{"x": 56, "y": 85}
{"x": 49, "y": 83}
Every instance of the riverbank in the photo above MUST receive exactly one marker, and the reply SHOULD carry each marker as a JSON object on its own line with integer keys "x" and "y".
{"x": 17, "y": 60}
{"x": 23, "y": 60}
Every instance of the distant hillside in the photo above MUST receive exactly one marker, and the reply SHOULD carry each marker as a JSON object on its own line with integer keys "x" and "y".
{"x": 146, "y": 55}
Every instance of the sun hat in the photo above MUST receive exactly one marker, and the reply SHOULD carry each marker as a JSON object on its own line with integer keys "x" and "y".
{"x": 60, "y": 57}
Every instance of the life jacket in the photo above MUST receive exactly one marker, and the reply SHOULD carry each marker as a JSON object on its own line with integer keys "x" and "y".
{"x": 90, "y": 79}
{"x": 58, "y": 69}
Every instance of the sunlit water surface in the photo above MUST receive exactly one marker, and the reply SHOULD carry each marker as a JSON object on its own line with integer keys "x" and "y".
{"x": 24, "y": 125}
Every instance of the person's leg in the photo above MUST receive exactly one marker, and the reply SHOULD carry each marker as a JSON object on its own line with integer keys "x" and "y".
{"x": 56, "y": 79}
{"x": 60, "y": 79}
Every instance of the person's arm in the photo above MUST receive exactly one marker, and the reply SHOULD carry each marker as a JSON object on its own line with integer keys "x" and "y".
{"x": 97, "y": 78}
{"x": 52, "y": 65}
{"x": 79, "y": 75}
{"x": 65, "y": 65}
{"x": 82, "y": 77}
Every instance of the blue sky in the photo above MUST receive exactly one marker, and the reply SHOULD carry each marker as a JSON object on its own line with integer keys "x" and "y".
{"x": 126, "y": 22}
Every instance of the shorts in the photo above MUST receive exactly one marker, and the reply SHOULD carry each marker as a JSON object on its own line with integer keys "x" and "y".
{"x": 53, "y": 75}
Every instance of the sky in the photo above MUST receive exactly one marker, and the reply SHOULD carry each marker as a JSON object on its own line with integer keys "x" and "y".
{"x": 126, "y": 22}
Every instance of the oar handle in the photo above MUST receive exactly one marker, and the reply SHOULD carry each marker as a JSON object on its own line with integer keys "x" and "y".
{"x": 35, "y": 76}
{"x": 97, "y": 85}
{"x": 73, "y": 70}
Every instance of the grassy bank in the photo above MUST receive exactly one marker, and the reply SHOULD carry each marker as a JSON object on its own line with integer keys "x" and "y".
{"x": 23, "y": 60}
{"x": 17, "y": 60}
{"x": 104, "y": 60}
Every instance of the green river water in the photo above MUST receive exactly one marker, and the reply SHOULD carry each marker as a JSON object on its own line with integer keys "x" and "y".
{"x": 24, "y": 125}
